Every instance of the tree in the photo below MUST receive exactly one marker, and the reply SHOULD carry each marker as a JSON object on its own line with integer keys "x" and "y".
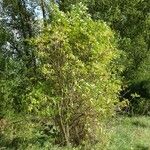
{"x": 18, "y": 18}
{"x": 130, "y": 20}
{"x": 79, "y": 81}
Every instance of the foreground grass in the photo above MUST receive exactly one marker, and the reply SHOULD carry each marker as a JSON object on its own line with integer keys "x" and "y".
{"x": 121, "y": 133}
{"x": 130, "y": 134}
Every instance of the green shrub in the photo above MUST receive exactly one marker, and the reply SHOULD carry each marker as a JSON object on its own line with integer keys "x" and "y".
{"x": 79, "y": 82}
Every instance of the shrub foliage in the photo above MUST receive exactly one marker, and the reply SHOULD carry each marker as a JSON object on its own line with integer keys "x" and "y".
{"x": 79, "y": 84}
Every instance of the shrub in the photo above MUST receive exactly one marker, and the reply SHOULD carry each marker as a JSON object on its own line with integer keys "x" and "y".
{"x": 79, "y": 84}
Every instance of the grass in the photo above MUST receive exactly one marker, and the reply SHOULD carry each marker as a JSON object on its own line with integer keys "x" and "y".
{"x": 130, "y": 134}
{"x": 121, "y": 133}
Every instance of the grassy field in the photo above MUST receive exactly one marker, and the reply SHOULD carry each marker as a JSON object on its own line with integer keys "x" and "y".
{"x": 130, "y": 134}
{"x": 121, "y": 133}
{"x": 125, "y": 133}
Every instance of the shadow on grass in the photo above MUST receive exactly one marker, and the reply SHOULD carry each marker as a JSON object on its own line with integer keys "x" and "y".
{"x": 142, "y": 147}
{"x": 139, "y": 124}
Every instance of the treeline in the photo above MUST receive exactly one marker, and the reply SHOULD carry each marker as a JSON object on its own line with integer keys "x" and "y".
{"x": 72, "y": 64}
